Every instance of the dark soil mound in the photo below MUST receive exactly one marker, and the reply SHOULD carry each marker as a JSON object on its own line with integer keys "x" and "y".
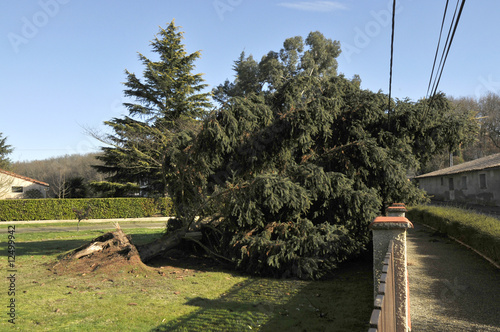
{"x": 110, "y": 252}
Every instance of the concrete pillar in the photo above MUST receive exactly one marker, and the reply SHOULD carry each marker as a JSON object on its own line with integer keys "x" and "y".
{"x": 385, "y": 230}
{"x": 396, "y": 210}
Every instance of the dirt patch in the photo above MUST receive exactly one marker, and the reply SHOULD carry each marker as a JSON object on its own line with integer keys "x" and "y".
{"x": 109, "y": 253}
{"x": 113, "y": 253}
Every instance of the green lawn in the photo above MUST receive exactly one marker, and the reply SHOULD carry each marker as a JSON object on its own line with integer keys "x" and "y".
{"x": 179, "y": 295}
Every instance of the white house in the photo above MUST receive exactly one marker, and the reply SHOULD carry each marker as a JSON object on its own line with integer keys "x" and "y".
{"x": 13, "y": 185}
{"x": 476, "y": 182}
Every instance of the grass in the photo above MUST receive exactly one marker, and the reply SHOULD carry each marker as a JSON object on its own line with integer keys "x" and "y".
{"x": 479, "y": 231}
{"x": 182, "y": 294}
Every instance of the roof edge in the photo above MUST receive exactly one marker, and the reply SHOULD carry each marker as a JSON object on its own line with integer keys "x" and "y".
{"x": 24, "y": 178}
{"x": 485, "y": 163}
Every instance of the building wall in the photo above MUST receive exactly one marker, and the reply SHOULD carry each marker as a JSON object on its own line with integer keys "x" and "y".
{"x": 478, "y": 187}
{"x": 12, "y": 187}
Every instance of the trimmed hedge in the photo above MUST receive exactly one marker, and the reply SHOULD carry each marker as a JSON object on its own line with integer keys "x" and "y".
{"x": 479, "y": 231}
{"x": 100, "y": 208}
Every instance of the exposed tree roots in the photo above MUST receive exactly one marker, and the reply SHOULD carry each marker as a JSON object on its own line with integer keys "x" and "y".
{"x": 114, "y": 250}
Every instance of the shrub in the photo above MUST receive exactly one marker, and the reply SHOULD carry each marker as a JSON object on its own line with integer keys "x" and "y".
{"x": 100, "y": 208}
{"x": 479, "y": 231}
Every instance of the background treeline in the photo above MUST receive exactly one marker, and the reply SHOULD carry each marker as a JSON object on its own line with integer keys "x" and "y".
{"x": 487, "y": 140}
{"x": 68, "y": 176}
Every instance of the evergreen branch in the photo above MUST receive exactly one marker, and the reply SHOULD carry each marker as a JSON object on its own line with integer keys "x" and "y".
{"x": 341, "y": 147}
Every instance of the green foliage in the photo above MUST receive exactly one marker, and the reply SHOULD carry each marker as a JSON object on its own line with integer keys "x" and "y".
{"x": 290, "y": 169}
{"x": 301, "y": 168}
{"x": 435, "y": 126}
{"x": 5, "y": 150}
{"x": 112, "y": 189}
{"x": 168, "y": 100}
{"x": 77, "y": 188}
{"x": 297, "y": 161}
{"x": 479, "y": 231}
{"x": 99, "y": 208}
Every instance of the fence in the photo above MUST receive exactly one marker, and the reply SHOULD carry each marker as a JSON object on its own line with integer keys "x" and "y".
{"x": 384, "y": 315}
{"x": 391, "y": 291}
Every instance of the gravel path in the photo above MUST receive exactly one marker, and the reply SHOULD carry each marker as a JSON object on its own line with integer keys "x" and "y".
{"x": 451, "y": 288}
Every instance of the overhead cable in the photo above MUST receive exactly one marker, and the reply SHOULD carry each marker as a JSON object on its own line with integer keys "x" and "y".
{"x": 392, "y": 52}
{"x": 446, "y": 49}
{"x": 437, "y": 48}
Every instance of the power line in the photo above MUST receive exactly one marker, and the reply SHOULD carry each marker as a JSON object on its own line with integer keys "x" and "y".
{"x": 437, "y": 48}
{"x": 392, "y": 52}
{"x": 446, "y": 48}
{"x": 449, "y": 46}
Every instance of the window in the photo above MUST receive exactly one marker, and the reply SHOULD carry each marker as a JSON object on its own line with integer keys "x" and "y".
{"x": 17, "y": 189}
{"x": 442, "y": 181}
{"x": 464, "y": 182}
{"x": 482, "y": 181}
{"x": 451, "y": 186}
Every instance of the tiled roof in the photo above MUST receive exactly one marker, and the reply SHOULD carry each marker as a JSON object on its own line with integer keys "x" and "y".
{"x": 491, "y": 161}
{"x": 24, "y": 178}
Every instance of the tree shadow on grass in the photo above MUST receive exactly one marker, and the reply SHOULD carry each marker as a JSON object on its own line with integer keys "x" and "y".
{"x": 49, "y": 247}
{"x": 343, "y": 302}
{"x": 186, "y": 258}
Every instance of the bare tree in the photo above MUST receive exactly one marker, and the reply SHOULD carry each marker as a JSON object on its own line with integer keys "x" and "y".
{"x": 490, "y": 109}
{"x": 60, "y": 184}
{"x": 59, "y": 170}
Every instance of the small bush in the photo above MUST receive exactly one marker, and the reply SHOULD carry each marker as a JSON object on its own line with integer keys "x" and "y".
{"x": 100, "y": 208}
{"x": 479, "y": 231}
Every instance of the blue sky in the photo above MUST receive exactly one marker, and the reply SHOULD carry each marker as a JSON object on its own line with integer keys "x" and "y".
{"x": 63, "y": 61}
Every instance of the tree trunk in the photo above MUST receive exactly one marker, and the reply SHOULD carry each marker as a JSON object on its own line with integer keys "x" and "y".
{"x": 163, "y": 244}
{"x": 114, "y": 250}
{"x": 112, "y": 242}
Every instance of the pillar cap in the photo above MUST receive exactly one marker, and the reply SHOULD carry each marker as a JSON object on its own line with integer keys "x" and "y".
{"x": 399, "y": 204}
{"x": 394, "y": 208}
{"x": 390, "y": 223}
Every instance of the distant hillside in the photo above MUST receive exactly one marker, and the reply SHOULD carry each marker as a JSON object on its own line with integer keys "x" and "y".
{"x": 60, "y": 172}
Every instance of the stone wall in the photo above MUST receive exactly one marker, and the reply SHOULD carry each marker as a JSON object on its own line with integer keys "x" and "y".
{"x": 390, "y": 274}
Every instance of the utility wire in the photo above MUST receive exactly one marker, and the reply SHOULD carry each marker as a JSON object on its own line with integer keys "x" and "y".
{"x": 437, "y": 48}
{"x": 449, "y": 46}
{"x": 446, "y": 48}
{"x": 392, "y": 52}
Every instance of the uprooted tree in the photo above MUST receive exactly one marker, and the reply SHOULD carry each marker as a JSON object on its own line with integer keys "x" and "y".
{"x": 284, "y": 176}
